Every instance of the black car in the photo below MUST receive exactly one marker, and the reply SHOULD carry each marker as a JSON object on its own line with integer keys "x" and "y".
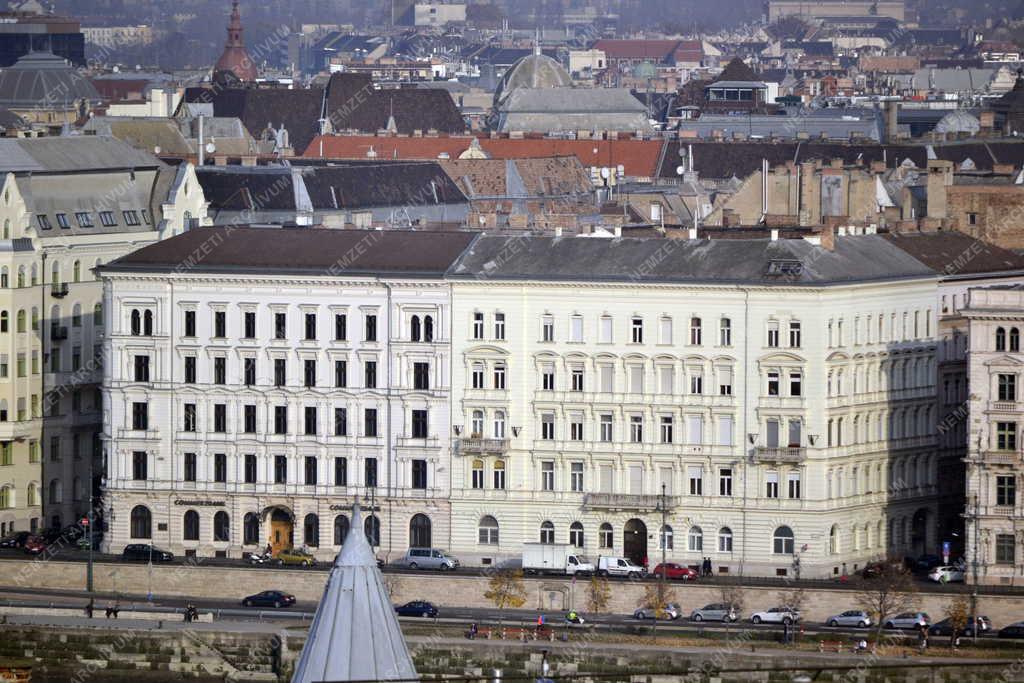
{"x": 1012, "y": 631}
{"x": 142, "y": 552}
{"x": 15, "y": 540}
{"x": 417, "y": 608}
{"x": 269, "y": 599}
{"x": 945, "y": 628}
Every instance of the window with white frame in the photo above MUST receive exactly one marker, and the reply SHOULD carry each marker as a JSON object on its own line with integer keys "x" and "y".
{"x": 795, "y": 384}
{"x": 773, "y": 383}
{"x": 478, "y": 325}
{"x": 576, "y": 477}
{"x": 606, "y": 427}
{"x": 771, "y": 481}
{"x": 605, "y": 336}
{"x": 694, "y": 430}
{"x": 665, "y": 327}
{"x": 696, "y": 380}
{"x": 695, "y": 476}
{"x": 478, "y": 375}
{"x": 794, "y": 334}
{"x": 793, "y": 478}
{"x": 725, "y": 540}
{"x": 636, "y": 379}
{"x": 548, "y": 328}
{"x": 499, "y": 376}
{"x": 547, "y": 475}
{"x": 773, "y": 334}
{"x": 576, "y": 375}
{"x": 547, "y": 377}
{"x": 667, "y": 427}
{"x": 725, "y": 430}
{"x": 576, "y": 426}
{"x": 477, "y": 425}
{"x": 576, "y": 329}
{"x": 547, "y": 426}
{"x": 499, "y": 474}
{"x": 725, "y": 332}
{"x": 666, "y": 379}
{"x": 725, "y": 481}
{"x": 499, "y": 424}
{"x": 725, "y": 381}
{"x": 607, "y": 374}
{"x": 637, "y": 330}
{"x": 696, "y": 331}
{"x": 478, "y": 474}
{"x": 695, "y": 539}
{"x": 636, "y": 428}
{"x": 499, "y": 326}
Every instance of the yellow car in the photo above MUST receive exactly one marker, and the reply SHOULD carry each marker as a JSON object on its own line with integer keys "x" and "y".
{"x": 295, "y": 556}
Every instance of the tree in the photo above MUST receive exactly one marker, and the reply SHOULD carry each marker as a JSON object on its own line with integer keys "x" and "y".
{"x": 958, "y": 611}
{"x": 795, "y": 598}
{"x": 506, "y": 589}
{"x": 733, "y": 595}
{"x": 599, "y": 594}
{"x": 656, "y": 596}
{"x": 892, "y": 591}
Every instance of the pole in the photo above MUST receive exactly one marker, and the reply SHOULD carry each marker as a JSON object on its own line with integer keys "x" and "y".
{"x": 89, "y": 519}
{"x": 974, "y": 586}
{"x": 664, "y": 543}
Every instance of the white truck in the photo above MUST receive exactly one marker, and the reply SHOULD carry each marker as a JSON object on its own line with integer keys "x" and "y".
{"x": 618, "y": 566}
{"x": 551, "y": 558}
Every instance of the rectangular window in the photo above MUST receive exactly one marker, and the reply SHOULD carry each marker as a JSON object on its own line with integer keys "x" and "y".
{"x": 575, "y": 426}
{"x": 280, "y": 419}
{"x": 44, "y": 222}
{"x": 547, "y": 475}
{"x": 794, "y": 334}
{"x": 606, "y": 427}
{"x": 499, "y": 326}
{"x": 370, "y": 323}
{"x": 576, "y": 329}
{"x": 725, "y": 430}
{"x": 636, "y": 428}
{"x": 220, "y": 468}
{"x": 141, "y": 368}
{"x": 249, "y": 371}
{"x": 499, "y": 376}
{"x": 637, "y": 330}
{"x": 795, "y": 384}
{"x": 547, "y": 328}
{"x": 695, "y": 475}
{"x": 370, "y": 422}
{"x": 794, "y": 484}
{"x": 140, "y": 416}
{"x": 725, "y": 381}
{"x": 189, "y": 417}
{"x": 310, "y": 467}
{"x": 667, "y": 427}
{"x": 576, "y": 477}
{"x": 370, "y": 472}
{"x": 220, "y": 418}
{"x": 1006, "y": 436}
{"x": 340, "y": 471}
{"x": 725, "y": 481}
{"x": 309, "y": 372}
{"x": 419, "y": 424}
{"x": 771, "y": 485}
{"x": 478, "y": 325}
{"x": 189, "y": 473}
{"x": 220, "y": 370}
{"x": 341, "y": 373}
{"x": 666, "y": 380}
{"x": 140, "y": 466}
{"x": 1005, "y": 549}
{"x": 310, "y": 326}
{"x": 606, "y": 330}
{"x": 725, "y": 332}
{"x": 190, "y": 370}
{"x": 547, "y": 426}
{"x": 636, "y": 379}
{"x": 341, "y": 422}
{"x": 773, "y": 334}
{"x": 696, "y": 381}
{"x": 220, "y": 324}
{"x": 107, "y": 219}
{"x": 131, "y": 217}
{"x": 773, "y": 384}
{"x": 665, "y": 331}
{"x": 249, "y": 419}
{"x": 280, "y": 469}
{"x": 309, "y": 421}
{"x": 577, "y": 379}
{"x": 421, "y": 376}
{"x": 1007, "y": 387}
{"x": 1006, "y": 490}
{"x": 62, "y": 221}
{"x": 694, "y": 430}
{"x": 249, "y": 331}
{"x": 280, "y": 325}
{"x": 280, "y": 372}
{"x": 607, "y": 373}
{"x": 249, "y": 468}
{"x": 84, "y": 219}
{"x": 419, "y": 474}
{"x": 190, "y": 323}
{"x": 370, "y": 374}
{"x": 340, "y": 327}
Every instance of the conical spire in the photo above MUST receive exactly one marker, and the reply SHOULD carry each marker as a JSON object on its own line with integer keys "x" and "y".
{"x": 235, "y": 58}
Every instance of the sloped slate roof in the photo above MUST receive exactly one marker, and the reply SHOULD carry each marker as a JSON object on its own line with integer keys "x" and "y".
{"x": 855, "y": 259}
{"x": 353, "y": 103}
{"x": 298, "y": 110}
{"x": 573, "y": 100}
{"x": 43, "y": 80}
{"x": 355, "y": 635}
{"x": 73, "y": 153}
{"x": 359, "y": 185}
{"x": 953, "y": 253}
{"x": 307, "y": 251}
{"x": 247, "y": 188}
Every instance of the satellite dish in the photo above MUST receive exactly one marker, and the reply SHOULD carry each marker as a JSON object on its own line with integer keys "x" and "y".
{"x": 605, "y": 173}
{"x": 680, "y": 170}
{"x": 210, "y": 148}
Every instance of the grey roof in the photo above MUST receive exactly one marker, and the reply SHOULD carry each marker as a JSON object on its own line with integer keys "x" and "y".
{"x": 953, "y": 80}
{"x": 71, "y": 153}
{"x": 864, "y": 124}
{"x": 43, "y": 80}
{"x": 573, "y": 100}
{"x": 862, "y": 258}
{"x": 355, "y": 635}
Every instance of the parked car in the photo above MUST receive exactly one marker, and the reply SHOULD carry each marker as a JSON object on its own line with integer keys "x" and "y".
{"x": 34, "y": 545}
{"x": 295, "y": 556}
{"x": 428, "y": 558}
{"x": 776, "y": 615}
{"x": 717, "y": 611}
{"x": 945, "y": 627}
{"x": 618, "y": 566}
{"x": 671, "y": 570}
{"x": 669, "y": 611}
{"x": 15, "y": 540}
{"x": 1015, "y": 630}
{"x": 908, "y": 620}
{"x": 946, "y": 573}
{"x": 851, "y": 617}
{"x": 142, "y": 552}
{"x": 269, "y": 599}
{"x": 417, "y": 608}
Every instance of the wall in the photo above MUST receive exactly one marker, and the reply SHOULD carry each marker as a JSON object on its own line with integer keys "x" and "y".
{"x": 998, "y": 211}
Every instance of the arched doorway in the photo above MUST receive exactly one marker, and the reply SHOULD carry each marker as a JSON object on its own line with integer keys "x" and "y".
{"x": 919, "y": 533}
{"x": 634, "y": 541}
{"x": 419, "y": 531}
{"x": 282, "y": 527}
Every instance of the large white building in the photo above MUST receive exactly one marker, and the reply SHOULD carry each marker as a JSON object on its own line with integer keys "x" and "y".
{"x": 259, "y": 379}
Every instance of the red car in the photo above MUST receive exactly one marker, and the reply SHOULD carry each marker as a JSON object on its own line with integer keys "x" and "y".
{"x": 34, "y": 545}
{"x": 675, "y": 571}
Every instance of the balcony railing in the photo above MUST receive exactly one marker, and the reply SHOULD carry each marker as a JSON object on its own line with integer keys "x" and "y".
{"x": 58, "y": 332}
{"x": 479, "y": 446}
{"x": 1002, "y": 457}
{"x": 780, "y": 453}
{"x": 59, "y": 289}
{"x": 626, "y": 501}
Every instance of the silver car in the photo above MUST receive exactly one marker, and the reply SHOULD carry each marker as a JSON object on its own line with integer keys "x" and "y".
{"x": 851, "y": 617}
{"x": 718, "y": 611}
{"x": 908, "y": 620}
{"x": 428, "y": 558}
{"x": 670, "y": 611}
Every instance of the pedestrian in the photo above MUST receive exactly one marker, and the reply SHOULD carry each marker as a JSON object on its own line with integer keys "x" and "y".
{"x": 115, "y": 610}
{"x": 785, "y": 633}
{"x": 89, "y": 608}
{"x": 109, "y": 610}
{"x": 711, "y": 570}
{"x": 922, "y": 638}
{"x": 954, "y": 640}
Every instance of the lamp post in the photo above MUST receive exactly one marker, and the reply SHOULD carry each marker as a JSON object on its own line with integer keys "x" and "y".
{"x": 974, "y": 563}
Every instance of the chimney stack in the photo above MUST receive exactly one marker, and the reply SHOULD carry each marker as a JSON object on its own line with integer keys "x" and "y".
{"x": 828, "y": 238}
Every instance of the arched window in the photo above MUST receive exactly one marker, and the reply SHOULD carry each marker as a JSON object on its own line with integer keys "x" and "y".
{"x": 782, "y": 541}
{"x": 7, "y": 228}
{"x": 499, "y": 474}
{"x": 488, "y": 530}
{"x": 341, "y": 525}
{"x": 251, "y": 529}
{"x": 190, "y": 526}
{"x": 606, "y": 535}
{"x": 311, "y": 531}
{"x": 21, "y": 276}
{"x": 478, "y": 474}
{"x": 428, "y": 328}
{"x": 1000, "y": 339}
{"x": 56, "y": 492}
{"x": 725, "y": 332}
{"x": 5, "y": 320}
{"x": 76, "y": 272}
{"x": 476, "y": 430}
{"x": 1014, "y": 339}
{"x": 695, "y": 331}
{"x": 221, "y": 526}
{"x": 833, "y": 540}
{"x": 97, "y": 314}
{"x": 95, "y": 272}
{"x": 147, "y": 323}
{"x": 419, "y": 531}
{"x": 371, "y": 527}
{"x": 725, "y": 540}
{"x": 141, "y": 522}
{"x": 33, "y": 495}
{"x": 20, "y": 321}
{"x": 55, "y": 273}
{"x": 695, "y": 539}
{"x": 136, "y": 322}
{"x": 499, "y": 424}
{"x": 414, "y": 328}
{"x": 547, "y": 532}
{"x": 5, "y": 277}
{"x": 576, "y": 535}
{"x": 667, "y": 541}
{"x": 76, "y": 315}
{"x": 7, "y": 497}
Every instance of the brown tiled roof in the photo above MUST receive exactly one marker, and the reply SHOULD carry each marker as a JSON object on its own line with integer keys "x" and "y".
{"x": 544, "y": 176}
{"x": 658, "y": 50}
{"x": 300, "y": 250}
{"x": 953, "y": 253}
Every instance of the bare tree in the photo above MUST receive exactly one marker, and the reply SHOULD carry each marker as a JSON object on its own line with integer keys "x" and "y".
{"x": 599, "y": 594}
{"x": 795, "y": 598}
{"x": 506, "y": 589}
{"x": 733, "y": 594}
{"x": 958, "y": 611}
{"x": 657, "y": 596}
{"x": 890, "y": 592}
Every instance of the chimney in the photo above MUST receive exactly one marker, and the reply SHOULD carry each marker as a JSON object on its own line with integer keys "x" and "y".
{"x": 693, "y": 233}
{"x": 940, "y": 176}
{"x": 828, "y": 238}
{"x": 775, "y": 234}
{"x": 618, "y": 231}
{"x": 892, "y": 111}
{"x": 558, "y": 231}
{"x": 987, "y": 119}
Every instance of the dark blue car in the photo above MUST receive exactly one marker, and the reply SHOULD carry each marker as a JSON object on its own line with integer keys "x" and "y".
{"x": 269, "y": 599}
{"x": 417, "y": 608}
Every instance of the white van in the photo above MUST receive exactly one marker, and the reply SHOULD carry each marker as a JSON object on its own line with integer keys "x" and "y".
{"x": 618, "y": 566}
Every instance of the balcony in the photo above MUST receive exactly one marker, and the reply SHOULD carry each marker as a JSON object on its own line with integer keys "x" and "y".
{"x": 59, "y": 290}
{"x": 1002, "y": 458}
{"x": 480, "y": 446}
{"x": 626, "y": 501}
{"x": 781, "y": 454}
{"x": 58, "y": 332}
{"x": 1003, "y": 406}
